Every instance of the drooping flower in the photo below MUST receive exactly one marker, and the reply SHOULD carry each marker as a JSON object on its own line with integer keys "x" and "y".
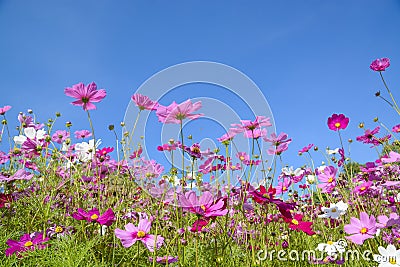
{"x": 296, "y": 223}
{"x": 176, "y": 113}
{"x": 204, "y": 205}
{"x": 334, "y": 211}
{"x": 93, "y": 215}
{"x": 26, "y": 242}
{"x": 361, "y": 229}
{"x": 18, "y": 175}
{"x": 337, "y": 122}
{"x": 369, "y": 137}
{"x": 144, "y": 102}
{"x": 132, "y": 233}
{"x": 85, "y": 95}
{"x": 396, "y": 128}
{"x": 380, "y": 64}
{"x": 4, "y": 109}
{"x": 389, "y": 257}
{"x": 305, "y": 149}
{"x": 227, "y": 137}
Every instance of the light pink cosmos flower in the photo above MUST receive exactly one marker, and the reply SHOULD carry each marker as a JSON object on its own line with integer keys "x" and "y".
{"x": 283, "y": 186}
{"x": 85, "y": 95}
{"x": 327, "y": 179}
{"x": 204, "y": 205}
{"x": 4, "y": 109}
{"x": 227, "y": 137}
{"x": 131, "y": 234}
{"x": 82, "y": 134}
{"x": 380, "y": 64}
{"x": 18, "y": 175}
{"x": 361, "y": 229}
{"x": 277, "y": 140}
{"x": 176, "y": 113}
{"x": 248, "y": 125}
{"x": 393, "y": 157}
{"x": 338, "y": 122}
{"x": 144, "y": 102}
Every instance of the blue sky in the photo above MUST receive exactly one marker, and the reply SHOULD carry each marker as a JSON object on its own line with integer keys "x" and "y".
{"x": 309, "y": 58}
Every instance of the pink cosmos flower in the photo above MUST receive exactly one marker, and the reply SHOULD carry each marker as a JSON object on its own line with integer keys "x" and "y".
{"x": 144, "y": 102}
{"x": 60, "y": 136}
{"x": 164, "y": 260}
{"x": 204, "y": 205}
{"x": 277, "y": 150}
{"x": 93, "y": 215}
{"x": 396, "y": 128}
{"x": 283, "y": 186}
{"x": 248, "y": 125}
{"x": 85, "y": 95}
{"x": 4, "y": 109}
{"x": 393, "y": 157}
{"x": 26, "y": 242}
{"x": 227, "y": 137}
{"x": 282, "y": 138}
{"x": 256, "y": 133}
{"x": 176, "y": 113}
{"x": 296, "y": 223}
{"x": 362, "y": 188}
{"x": 131, "y": 234}
{"x": 385, "y": 221}
{"x": 327, "y": 179}
{"x": 305, "y": 149}
{"x": 82, "y": 134}
{"x": 361, "y": 229}
{"x": 18, "y": 175}
{"x": 369, "y": 136}
{"x": 380, "y": 64}
{"x": 337, "y": 122}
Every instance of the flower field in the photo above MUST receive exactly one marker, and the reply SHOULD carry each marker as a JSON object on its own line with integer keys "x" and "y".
{"x": 66, "y": 200}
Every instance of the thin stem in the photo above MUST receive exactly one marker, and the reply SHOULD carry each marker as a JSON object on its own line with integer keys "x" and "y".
{"x": 396, "y": 107}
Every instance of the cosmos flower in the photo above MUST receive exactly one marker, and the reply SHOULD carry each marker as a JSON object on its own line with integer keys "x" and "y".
{"x": 18, "y": 175}
{"x": 337, "y": 122}
{"x": 204, "y": 205}
{"x": 85, "y": 95}
{"x": 4, "y": 109}
{"x": 380, "y": 64}
{"x": 176, "y": 113}
{"x": 26, "y": 242}
{"x": 296, "y": 223}
{"x": 332, "y": 248}
{"x": 334, "y": 211}
{"x": 164, "y": 260}
{"x": 93, "y": 215}
{"x": 361, "y": 229}
{"x": 327, "y": 179}
{"x": 60, "y": 136}
{"x": 389, "y": 257}
{"x": 82, "y": 134}
{"x": 305, "y": 149}
{"x": 247, "y": 125}
{"x": 144, "y": 102}
{"x": 132, "y": 233}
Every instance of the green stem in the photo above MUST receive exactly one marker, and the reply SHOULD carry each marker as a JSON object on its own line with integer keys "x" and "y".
{"x": 396, "y": 107}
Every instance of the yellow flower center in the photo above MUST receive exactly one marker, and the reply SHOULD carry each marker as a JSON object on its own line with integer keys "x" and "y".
{"x": 266, "y": 195}
{"x": 59, "y": 229}
{"x": 94, "y": 217}
{"x": 28, "y": 244}
{"x": 363, "y": 188}
{"x": 392, "y": 260}
{"x": 337, "y": 125}
{"x": 141, "y": 234}
{"x": 284, "y": 188}
{"x": 196, "y": 150}
{"x": 241, "y": 158}
{"x": 329, "y": 242}
{"x": 330, "y": 180}
{"x": 233, "y": 167}
{"x": 203, "y": 207}
{"x": 363, "y": 230}
{"x": 295, "y": 222}
{"x": 334, "y": 210}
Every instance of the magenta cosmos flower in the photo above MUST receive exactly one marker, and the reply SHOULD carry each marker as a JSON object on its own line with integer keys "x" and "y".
{"x": 296, "y": 223}
{"x": 93, "y": 215}
{"x": 176, "y": 113}
{"x": 361, "y": 229}
{"x": 4, "y": 109}
{"x": 204, "y": 205}
{"x": 380, "y": 64}
{"x": 131, "y": 234}
{"x": 337, "y": 122}
{"x": 144, "y": 102}
{"x": 327, "y": 179}
{"x": 85, "y": 95}
{"x": 26, "y": 242}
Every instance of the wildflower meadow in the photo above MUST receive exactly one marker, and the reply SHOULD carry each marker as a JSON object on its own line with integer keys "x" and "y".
{"x": 68, "y": 199}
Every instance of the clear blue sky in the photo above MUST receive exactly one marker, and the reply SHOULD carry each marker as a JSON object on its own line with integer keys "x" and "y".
{"x": 310, "y": 58}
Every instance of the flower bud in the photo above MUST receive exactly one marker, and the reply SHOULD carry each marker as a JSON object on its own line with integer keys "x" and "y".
{"x": 111, "y": 127}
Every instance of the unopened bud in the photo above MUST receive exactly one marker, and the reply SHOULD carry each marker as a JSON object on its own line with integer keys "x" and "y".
{"x": 111, "y": 127}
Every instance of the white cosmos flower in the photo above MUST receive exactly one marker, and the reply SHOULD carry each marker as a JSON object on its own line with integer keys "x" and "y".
{"x": 332, "y": 248}
{"x": 389, "y": 257}
{"x": 310, "y": 179}
{"x": 332, "y": 152}
{"x": 334, "y": 211}
{"x": 291, "y": 172}
{"x": 85, "y": 151}
{"x": 30, "y": 133}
